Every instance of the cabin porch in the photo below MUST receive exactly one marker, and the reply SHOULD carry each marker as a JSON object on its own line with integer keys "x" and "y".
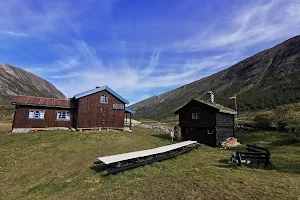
{"x": 128, "y": 117}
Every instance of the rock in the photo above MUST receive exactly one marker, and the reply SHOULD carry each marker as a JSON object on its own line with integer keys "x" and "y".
{"x": 155, "y": 127}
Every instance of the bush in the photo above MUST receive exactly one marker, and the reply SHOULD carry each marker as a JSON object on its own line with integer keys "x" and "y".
{"x": 289, "y": 114}
{"x": 286, "y": 117}
{"x": 266, "y": 120}
{"x": 289, "y": 118}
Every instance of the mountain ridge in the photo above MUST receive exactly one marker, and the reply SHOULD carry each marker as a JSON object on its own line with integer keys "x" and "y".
{"x": 15, "y": 81}
{"x": 264, "y": 80}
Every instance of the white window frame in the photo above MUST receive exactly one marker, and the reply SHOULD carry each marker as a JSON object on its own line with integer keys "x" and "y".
{"x": 63, "y": 115}
{"x": 104, "y": 99}
{"x": 36, "y": 114}
{"x": 196, "y": 115}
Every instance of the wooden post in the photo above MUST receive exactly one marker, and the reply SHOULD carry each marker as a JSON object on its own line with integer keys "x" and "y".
{"x": 130, "y": 122}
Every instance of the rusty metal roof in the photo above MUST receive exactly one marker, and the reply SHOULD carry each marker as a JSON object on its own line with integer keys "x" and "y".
{"x": 41, "y": 101}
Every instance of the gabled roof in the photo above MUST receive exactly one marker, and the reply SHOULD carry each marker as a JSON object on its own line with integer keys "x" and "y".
{"x": 105, "y": 87}
{"x": 130, "y": 110}
{"x": 41, "y": 101}
{"x": 217, "y": 107}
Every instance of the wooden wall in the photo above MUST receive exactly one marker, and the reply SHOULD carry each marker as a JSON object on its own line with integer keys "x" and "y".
{"x": 91, "y": 113}
{"x": 200, "y": 134}
{"x": 21, "y": 119}
{"x": 207, "y": 118}
{"x": 224, "y": 126}
{"x": 210, "y": 120}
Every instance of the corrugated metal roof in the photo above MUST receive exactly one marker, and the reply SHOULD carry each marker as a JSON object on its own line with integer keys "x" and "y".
{"x": 41, "y": 101}
{"x": 105, "y": 87}
{"x": 218, "y": 107}
{"x": 130, "y": 110}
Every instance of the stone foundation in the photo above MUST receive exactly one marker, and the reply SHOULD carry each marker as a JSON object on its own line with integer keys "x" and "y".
{"x": 26, "y": 130}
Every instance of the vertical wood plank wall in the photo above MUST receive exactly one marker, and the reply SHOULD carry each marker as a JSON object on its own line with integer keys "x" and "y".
{"x": 222, "y": 124}
{"x": 21, "y": 119}
{"x": 225, "y": 126}
{"x": 207, "y": 117}
{"x": 90, "y": 112}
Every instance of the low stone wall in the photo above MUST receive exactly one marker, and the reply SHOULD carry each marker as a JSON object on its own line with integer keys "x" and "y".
{"x": 155, "y": 127}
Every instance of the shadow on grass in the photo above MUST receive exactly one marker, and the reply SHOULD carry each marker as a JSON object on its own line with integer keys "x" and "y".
{"x": 98, "y": 168}
{"x": 224, "y": 163}
{"x": 164, "y": 136}
{"x": 284, "y": 142}
{"x": 292, "y": 168}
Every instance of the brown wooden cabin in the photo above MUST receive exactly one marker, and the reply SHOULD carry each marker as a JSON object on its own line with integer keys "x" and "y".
{"x": 94, "y": 109}
{"x": 206, "y": 123}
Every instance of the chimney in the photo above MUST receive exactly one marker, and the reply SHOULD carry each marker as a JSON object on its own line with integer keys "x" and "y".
{"x": 212, "y": 97}
{"x": 97, "y": 87}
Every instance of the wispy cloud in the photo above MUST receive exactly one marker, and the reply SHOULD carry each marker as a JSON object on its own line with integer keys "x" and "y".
{"x": 14, "y": 34}
{"x": 26, "y": 18}
{"x": 133, "y": 49}
{"x": 250, "y": 25}
{"x": 86, "y": 69}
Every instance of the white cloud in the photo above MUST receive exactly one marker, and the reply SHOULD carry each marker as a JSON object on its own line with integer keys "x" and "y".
{"x": 81, "y": 69}
{"x": 14, "y": 34}
{"x": 253, "y": 24}
{"x": 135, "y": 69}
{"x": 24, "y": 19}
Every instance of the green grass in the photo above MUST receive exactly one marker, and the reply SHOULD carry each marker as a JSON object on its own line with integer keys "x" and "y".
{"x": 5, "y": 124}
{"x": 58, "y": 165}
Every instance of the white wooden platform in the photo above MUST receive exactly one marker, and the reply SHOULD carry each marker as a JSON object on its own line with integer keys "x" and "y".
{"x": 138, "y": 154}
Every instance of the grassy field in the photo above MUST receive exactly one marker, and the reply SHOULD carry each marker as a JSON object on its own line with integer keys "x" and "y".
{"x": 58, "y": 165}
{"x": 5, "y": 124}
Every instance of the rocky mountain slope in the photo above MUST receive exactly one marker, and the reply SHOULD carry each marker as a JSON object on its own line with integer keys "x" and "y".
{"x": 265, "y": 80}
{"x": 15, "y": 81}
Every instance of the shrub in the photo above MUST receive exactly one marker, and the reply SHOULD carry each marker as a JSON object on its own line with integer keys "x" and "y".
{"x": 266, "y": 120}
{"x": 289, "y": 118}
{"x": 286, "y": 117}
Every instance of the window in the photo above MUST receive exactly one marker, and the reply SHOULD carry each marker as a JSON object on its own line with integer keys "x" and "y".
{"x": 62, "y": 115}
{"x": 195, "y": 115}
{"x": 104, "y": 99}
{"x": 118, "y": 106}
{"x": 36, "y": 114}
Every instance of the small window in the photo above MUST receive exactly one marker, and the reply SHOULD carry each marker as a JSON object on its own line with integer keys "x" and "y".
{"x": 117, "y": 106}
{"x": 36, "y": 114}
{"x": 195, "y": 115}
{"x": 104, "y": 99}
{"x": 62, "y": 115}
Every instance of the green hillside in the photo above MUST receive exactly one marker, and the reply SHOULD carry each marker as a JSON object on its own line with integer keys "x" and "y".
{"x": 263, "y": 81}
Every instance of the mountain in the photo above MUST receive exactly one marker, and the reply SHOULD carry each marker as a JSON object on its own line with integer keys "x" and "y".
{"x": 15, "y": 81}
{"x": 263, "y": 81}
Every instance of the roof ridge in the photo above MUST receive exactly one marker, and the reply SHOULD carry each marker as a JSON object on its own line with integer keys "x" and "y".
{"x": 99, "y": 89}
{"x": 219, "y": 107}
{"x": 216, "y": 105}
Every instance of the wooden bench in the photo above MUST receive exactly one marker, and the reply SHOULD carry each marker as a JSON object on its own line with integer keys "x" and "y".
{"x": 253, "y": 155}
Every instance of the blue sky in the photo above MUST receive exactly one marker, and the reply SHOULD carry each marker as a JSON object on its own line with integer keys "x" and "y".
{"x": 138, "y": 48}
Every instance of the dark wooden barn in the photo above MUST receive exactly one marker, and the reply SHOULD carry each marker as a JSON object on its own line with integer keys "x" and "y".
{"x": 94, "y": 109}
{"x": 206, "y": 123}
